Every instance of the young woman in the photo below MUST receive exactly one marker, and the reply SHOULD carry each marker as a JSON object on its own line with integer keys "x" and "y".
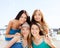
{"x": 22, "y": 41}
{"x": 39, "y": 40}
{"x": 38, "y": 17}
{"x": 13, "y": 26}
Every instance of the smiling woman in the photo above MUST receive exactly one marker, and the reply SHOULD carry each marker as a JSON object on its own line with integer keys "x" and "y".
{"x": 39, "y": 40}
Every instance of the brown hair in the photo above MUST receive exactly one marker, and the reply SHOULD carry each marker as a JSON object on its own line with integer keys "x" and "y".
{"x": 20, "y": 13}
{"x": 43, "y": 23}
{"x": 40, "y": 31}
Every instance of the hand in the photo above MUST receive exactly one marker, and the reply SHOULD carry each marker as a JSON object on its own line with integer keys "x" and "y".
{"x": 18, "y": 34}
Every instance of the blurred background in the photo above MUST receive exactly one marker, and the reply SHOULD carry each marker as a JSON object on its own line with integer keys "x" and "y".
{"x": 50, "y": 8}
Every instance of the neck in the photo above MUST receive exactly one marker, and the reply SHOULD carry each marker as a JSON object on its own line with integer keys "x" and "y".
{"x": 25, "y": 38}
{"x": 37, "y": 37}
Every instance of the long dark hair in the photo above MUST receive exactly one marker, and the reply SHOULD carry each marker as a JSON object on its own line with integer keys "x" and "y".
{"x": 20, "y": 13}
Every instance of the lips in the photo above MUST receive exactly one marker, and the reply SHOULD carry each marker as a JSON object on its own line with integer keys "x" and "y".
{"x": 24, "y": 33}
{"x": 34, "y": 32}
{"x": 37, "y": 19}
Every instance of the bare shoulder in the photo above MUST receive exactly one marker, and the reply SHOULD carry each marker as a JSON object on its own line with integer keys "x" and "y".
{"x": 15, "y": 20}
{"x": 48, "y": 39}
{"x": 11, "y": 22}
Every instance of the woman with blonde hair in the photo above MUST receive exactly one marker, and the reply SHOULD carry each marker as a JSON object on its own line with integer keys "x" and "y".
{"x": 22, "y": 41}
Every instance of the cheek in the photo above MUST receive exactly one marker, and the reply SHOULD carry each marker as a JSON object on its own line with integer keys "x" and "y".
{"x": 37, "y": 17}
{"x": 33, "y": 32}
{"x": 34, "y": 17}
{"x": 38, "y": 32}
{"x": 22, "y": 20}
{"x": 25, "y": 20}
{"x": 22, "y": 31}
{"x": 27, "y": 32}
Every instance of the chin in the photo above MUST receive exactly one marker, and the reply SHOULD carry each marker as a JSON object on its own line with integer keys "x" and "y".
{"x": 22, "y": 22}
{"x": 37, "y": 20}
{"x": 34, "y": 34}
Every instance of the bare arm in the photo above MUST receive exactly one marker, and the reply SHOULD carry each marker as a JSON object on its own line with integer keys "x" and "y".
{"x": 46, "y": 29}
{"x": 15, "y": 39}
{"x": 49, "y": 42}
{"x": 8, "y": 29}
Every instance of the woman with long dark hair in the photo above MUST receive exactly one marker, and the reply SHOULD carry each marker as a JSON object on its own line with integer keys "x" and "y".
{"x": 15, "y": 24}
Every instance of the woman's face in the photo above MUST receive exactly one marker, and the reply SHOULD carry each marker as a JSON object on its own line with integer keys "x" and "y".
{"x": 37, "y": 16}
{"x": 25, "y": 31}
{"x": 23, "y": 18}
{"x": 35, "y": 30}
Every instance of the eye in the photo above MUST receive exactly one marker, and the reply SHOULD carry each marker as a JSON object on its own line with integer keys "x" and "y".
{"x": 22, "y": 28}
{"x": 36, "y": 28}
{"x": 32, "y": 28}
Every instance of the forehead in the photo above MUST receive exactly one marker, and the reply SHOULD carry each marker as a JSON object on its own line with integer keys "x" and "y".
{"x": 25, "y": 27}
{"x": 37, "y": 11}
{"x": 23, "y": 14}
{"x": 34, "y": 26}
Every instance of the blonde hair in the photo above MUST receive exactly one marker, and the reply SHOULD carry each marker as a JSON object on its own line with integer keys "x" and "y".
{"x": 29, "y": 36}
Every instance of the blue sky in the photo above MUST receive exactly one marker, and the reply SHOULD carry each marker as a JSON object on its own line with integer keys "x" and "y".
{"x": 50, "y": 9}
